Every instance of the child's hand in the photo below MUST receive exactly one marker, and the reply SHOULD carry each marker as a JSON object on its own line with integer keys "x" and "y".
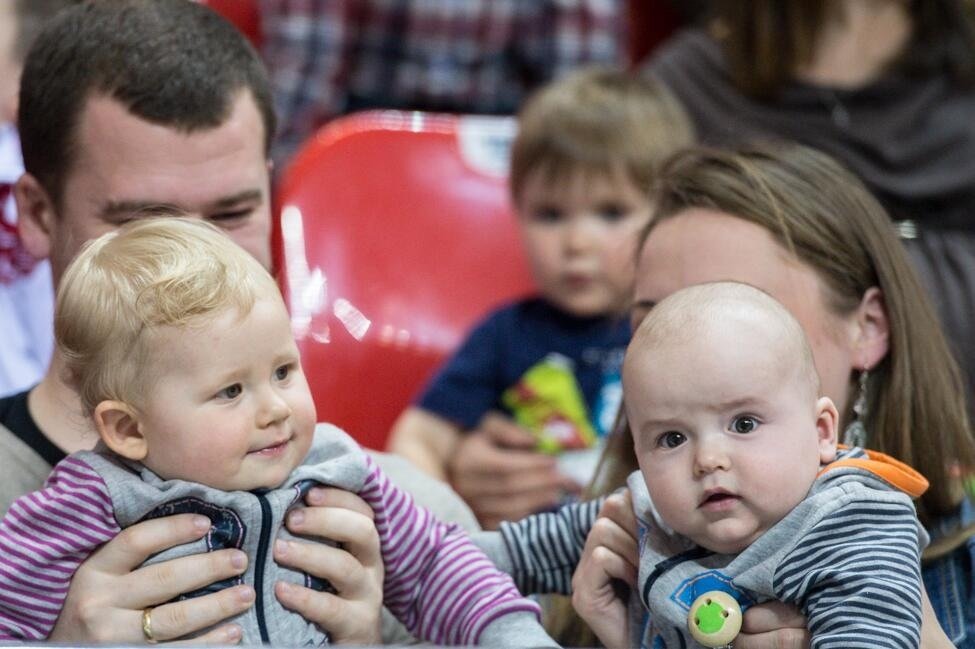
{"x": 500, "y": 475}
{"x": 355, "y": 568}
{"x": 107, "y": 594}
{"x": 610, "y": 557}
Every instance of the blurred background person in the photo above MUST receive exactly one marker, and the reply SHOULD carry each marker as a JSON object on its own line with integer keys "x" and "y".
{"x": 330, "y": 57}
{"x": 885, "y": 86}
{"x": 26, "y": 299}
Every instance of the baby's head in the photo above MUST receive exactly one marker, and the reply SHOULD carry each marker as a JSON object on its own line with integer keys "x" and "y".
{"x": 180, "y": 348}
{"x": 722, "y": 396}
{"x": 581, "y": 169}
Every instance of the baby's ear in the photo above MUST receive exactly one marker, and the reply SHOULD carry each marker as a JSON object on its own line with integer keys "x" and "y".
{"x": 827, "y": 423}
{"x": 118, "y": 426}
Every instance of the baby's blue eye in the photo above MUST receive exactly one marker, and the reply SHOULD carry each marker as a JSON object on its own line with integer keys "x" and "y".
{"x": 282, "y": 372}
{"x": 671, "y": 439}
{"x": 231, "y": 391}
{"x": 744, "y": 424}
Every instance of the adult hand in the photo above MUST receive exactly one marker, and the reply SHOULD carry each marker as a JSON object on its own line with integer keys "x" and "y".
{"x": 773, "y": 625}
{"x": 354, "y": 568}
{"x": 610, "y": 556}
{"x": 108, "y": 592}
{"x": 497, "y": 471}
{"x": 932, "y": 635}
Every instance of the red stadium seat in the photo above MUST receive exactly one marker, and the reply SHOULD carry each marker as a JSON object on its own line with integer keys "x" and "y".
{"x": 650, "y": 23}
{"x": 242, "y": 13}
{"x": 395, "y": 236}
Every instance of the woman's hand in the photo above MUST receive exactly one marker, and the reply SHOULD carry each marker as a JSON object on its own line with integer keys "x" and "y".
{"x": 355, "y": 568}
{"x": 610, "y": 554}
{"x": 773, "y": 625}
{"x": 498, "y": 472}
{"x": 108, "y": 592}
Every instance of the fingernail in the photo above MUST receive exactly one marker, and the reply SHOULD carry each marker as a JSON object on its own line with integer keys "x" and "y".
{"x": 296, "y": 517}
{"x": 281, "y": 548}
{"x": 233, "y": 634}
{"x": 238, "y": 559}
{"x": 245, "y": 594}
{"x": 286, "y": 588}
{"x": 201, "y": 523}
{"x": 316, "y": 496}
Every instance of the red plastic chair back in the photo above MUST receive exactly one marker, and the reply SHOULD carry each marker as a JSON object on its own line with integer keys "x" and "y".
{"x": 242, "y": 13}
{"x": 396, "y": 235}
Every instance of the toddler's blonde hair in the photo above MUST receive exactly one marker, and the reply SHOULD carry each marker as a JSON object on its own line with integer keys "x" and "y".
{"x": 151, "y": 273}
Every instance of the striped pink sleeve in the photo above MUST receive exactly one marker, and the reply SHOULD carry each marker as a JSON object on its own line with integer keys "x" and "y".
{"x": 438, "y": 583}
{"x": 44, "y": 537}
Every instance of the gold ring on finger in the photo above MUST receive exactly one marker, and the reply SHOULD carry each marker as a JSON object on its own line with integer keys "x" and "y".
{"x": 147, "y": 625}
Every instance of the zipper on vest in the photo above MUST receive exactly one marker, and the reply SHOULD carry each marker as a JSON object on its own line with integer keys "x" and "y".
{"x": 262, "y": 548}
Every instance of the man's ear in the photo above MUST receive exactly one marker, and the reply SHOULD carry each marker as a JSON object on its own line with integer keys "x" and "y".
{"x": 36, "y": 216}
{"x": 118, "y": 426}
{"x": 827, "y": 422}
{"x": 873, "y": 329}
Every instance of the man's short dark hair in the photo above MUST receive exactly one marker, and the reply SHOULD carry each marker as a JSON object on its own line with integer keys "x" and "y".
{"x": 169, "y": 62}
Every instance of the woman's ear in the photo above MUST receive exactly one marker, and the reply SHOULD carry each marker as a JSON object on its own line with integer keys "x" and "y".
{"x": 873, "y": 330}
{"x": 118, "y": 426}
{"x": 827, "y": 422}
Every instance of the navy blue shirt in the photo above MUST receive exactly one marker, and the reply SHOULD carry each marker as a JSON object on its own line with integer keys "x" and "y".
{"x": 512, "y": 339}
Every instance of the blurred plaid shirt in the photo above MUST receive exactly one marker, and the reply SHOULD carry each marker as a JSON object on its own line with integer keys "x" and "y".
{"x": 329, "y": 57}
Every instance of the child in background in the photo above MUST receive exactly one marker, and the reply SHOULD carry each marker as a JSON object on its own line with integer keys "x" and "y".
{"x": 26, "y": 299}
{"x": 581, "y": 166}
{"x": 180, "y": 347}
{"x": 741, "y": 489}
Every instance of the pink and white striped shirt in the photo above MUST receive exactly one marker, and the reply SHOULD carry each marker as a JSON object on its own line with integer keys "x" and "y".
{"x": 442, "y": 587}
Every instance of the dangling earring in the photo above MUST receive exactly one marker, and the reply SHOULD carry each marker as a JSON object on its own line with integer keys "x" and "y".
{"x": 856, "y": 433}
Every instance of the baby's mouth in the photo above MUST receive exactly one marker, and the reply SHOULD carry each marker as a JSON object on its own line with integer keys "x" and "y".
{"x": 717, "y": 498}
{"x": 273, "y": 448}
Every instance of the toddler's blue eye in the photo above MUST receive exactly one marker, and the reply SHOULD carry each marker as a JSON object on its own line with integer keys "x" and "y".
{"x": 231, "y": 391}
{"x": 744, "y": 424}
{"x": 282, "y": 372}
{"x": 671, "y": 439}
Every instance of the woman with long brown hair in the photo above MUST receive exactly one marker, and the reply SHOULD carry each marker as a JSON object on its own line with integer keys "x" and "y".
{"x": 794, "y": 223}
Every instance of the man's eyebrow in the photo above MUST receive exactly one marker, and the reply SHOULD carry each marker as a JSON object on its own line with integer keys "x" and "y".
{"x": 139, "y": 208}
{"x": 153, "y": 208}
{"x": 240, "y": 197}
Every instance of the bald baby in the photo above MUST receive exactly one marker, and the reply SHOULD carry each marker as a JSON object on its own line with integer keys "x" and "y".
{"x": 722, "y": 397}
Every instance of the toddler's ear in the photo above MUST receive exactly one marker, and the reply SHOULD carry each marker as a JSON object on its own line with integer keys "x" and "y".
{"x": 118, "y": 427}
{"x": 827, "y": 423}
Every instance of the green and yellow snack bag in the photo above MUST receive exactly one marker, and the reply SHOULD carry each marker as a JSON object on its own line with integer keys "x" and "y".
{"x": 547, "y": 401}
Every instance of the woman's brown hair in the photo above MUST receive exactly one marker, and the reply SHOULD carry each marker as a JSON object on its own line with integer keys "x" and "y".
{"x": 825, "y": 216}
{"x": 767, "y": 41}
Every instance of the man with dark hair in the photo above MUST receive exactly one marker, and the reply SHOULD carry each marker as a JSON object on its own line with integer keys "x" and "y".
{"x": 126, "y": 105}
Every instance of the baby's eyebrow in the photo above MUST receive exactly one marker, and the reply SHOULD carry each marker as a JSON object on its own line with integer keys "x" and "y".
{"x": 643, "y": 305}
